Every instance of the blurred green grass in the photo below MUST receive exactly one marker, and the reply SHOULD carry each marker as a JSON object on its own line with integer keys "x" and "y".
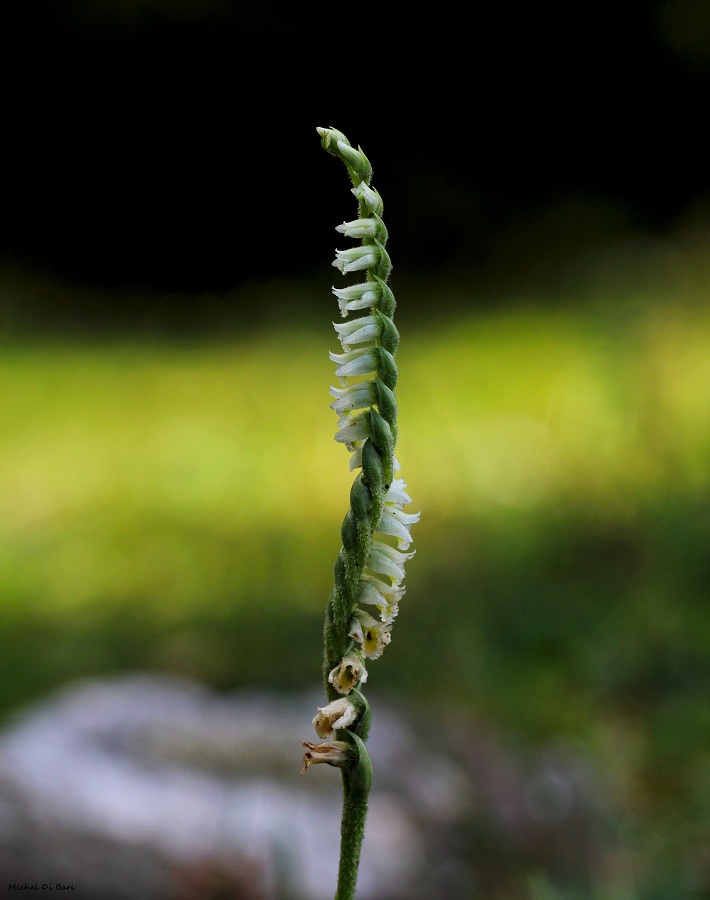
{"x": 176, "y": 506}
{"x": 202, "y": 481}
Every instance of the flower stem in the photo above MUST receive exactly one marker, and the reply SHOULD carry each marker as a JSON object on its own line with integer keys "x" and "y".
{"x": 356, "y": 787}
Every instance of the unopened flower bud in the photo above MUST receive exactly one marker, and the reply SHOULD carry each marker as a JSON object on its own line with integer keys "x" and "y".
{"x": 356, "y": 258}
{"x": 358, "y": 228}
{"x": 330, "y": 138}
{"x": 351, "y": 156}
{"x": 369, "y": 197}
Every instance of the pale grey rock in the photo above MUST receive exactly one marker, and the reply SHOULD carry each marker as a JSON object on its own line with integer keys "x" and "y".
{"x": 144, "y": 787}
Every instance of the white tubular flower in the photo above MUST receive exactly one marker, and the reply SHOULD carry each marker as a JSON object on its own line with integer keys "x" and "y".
{"x": 357, "y": 331}
{"x": 349, "y": 417}
{"x": 396, "y": 493}
{"x": 356, "y": 430}
{"x": 370, "y": 595}
{"x": 365, "y": 330}
{"x": 371, "y": 634}
{"x": 357, "y": 296}
{"x": 387, "y": 560}
{"x": 349, "y": 355}
{"x": 334, "y": 753}
{"x": 385, "y": 597}
{"x": 353, "y": 362}
{"x": 395, "y": 523}
{"x": 358, "y": 228}
{"x": 356, "y": 258}
{"x": 403, "y": 517}
{"x": 355, "y": 291}
{"x": 380, "y": 583}
{"x": 354, "y": 396}
{"x": 339, "y": 714}
{"x": 379, "y": 564}
{"x": 365, "y": 302}
{"x": 391, "y": 593}
{"x": 346, "y": 675}
{"x": 370, "y": 197}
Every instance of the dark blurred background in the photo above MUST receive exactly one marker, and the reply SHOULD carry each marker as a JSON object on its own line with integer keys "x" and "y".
{"x": 169, "y": 489}
{"x": 169, "y": 146}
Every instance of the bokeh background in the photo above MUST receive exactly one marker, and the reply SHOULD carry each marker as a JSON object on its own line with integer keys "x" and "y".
{"x": 170, "y": 492}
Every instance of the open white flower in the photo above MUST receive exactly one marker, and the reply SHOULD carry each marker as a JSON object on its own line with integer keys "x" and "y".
{"x": 387, "y": 560}
{"x": 356, "y": 296}
{"x": 346, "y": 675}
{"x": 351, "y": 397}
{"x": 339, "y": 714}
{"x": 391, "y": 593}
{"x": 371, "y": 634}
{"x": 382, "y": 594}
{"x": 354, "y": 259}
{"x": 353, "y": 429}
{"x": 385, "y": 597}
{"x": 396, "y": 523}
{"x": 357, "y": 331}
{"x": 354, "y": 362}
{"x": 396, "y": 494}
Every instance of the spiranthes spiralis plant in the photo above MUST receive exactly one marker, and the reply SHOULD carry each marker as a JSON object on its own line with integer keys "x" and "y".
{"x": 375, "y": 534}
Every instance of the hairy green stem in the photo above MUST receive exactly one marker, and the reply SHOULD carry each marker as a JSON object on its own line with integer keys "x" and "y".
{"x": 357, "y": 781}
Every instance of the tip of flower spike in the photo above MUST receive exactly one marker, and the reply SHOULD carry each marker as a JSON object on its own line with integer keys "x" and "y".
{"x": 330, "y": 138}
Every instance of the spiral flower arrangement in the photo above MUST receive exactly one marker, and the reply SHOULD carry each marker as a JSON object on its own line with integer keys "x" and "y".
{"x": 369, "y": 570}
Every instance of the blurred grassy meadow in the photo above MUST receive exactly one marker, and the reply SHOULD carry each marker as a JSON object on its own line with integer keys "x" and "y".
{"x": 175, "y": 506}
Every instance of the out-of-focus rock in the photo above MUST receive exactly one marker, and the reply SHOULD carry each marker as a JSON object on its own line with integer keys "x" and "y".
{"x": 147, "y": 787}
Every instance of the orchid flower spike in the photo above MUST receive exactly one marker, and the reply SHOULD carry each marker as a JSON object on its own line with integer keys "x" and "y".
{"x": 376, "y": 532}
{"x": 369, "y": 570}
